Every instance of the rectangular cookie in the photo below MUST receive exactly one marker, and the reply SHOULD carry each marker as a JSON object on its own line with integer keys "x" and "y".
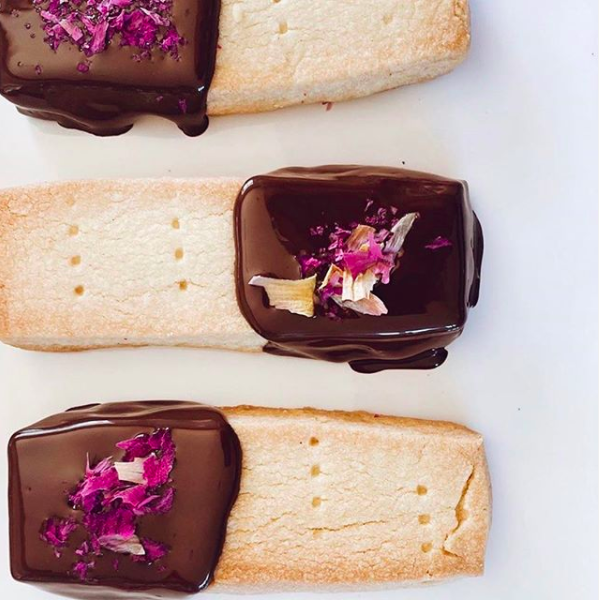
{"x": 191, "y": 262}
{"x": 326, "y": 500}
{"x": 99, "y": 66}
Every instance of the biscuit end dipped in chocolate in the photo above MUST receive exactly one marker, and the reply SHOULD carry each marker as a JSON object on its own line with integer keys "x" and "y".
{"x": 367, "y": 265}
{"x": 130, "y": 496}
{"x": 97, "y": 66}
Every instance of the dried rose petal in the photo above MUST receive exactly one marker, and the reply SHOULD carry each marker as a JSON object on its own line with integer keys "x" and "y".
{"x": 113, "y": 522}
{"x": 112, "y": 496}
{"x": 135, "y": 498}
{"x": 137, "y": 447}
{"x": 101, "y": 478}
{"x": 92, "y": 26}
{"x": 56, "y": 532}
{"x": 162, "y": 441}
{"x": 153, "y": 550}
{"x": 309, "y": 264}
{"x": 158, "y": 505}
{"x": 439, "y": 242}
{"x": 156, "y": 470}
{"x": 81, "y": 569}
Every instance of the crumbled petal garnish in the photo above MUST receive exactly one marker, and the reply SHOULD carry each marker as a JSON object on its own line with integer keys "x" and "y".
{"x": 159, "y": 505}
{"x": 183, "y": 106}
{"x": 84, "y": 549}
{"x": 439, "y": 242}
{"x": 81, "y": 569}
{"x": 112, "y": 496}
{"x": 352, "y": 260}
{"x": 153, "y": 550}
{"x": 94, "y": 25}
{"x": 56, "y": 532}
{"x": 88, "y": 493}
{"x": 309, "y": 263}
{"x": 294, "y": 295}
{"x": 83, "y": 67}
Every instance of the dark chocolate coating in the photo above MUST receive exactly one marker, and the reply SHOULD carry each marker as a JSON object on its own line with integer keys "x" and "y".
{"x": 48, "y": 458}
{"x": 117, "y": 89}
{"x": 428, "y": 296}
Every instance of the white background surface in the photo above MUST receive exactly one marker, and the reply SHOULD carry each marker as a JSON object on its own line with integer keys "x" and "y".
{"x": 519, "y": 121}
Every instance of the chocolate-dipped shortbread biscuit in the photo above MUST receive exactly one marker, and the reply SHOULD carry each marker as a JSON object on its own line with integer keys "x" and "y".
{"x": 98, "y": 65}
{"x": 367, "y": 265}
{"x": 132, "y": 500}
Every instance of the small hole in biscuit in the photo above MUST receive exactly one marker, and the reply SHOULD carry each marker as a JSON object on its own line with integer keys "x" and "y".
{"x": 175, "y": 224}
{"x": 426, "y": 547}
{"x": 73, "y": 230}
{"x": 283, "y": 28}
{"x": 387, "y": 19}
{"x": 316, "y": 501}
{"x": 70, "y": 201}
{"x": 421, "y": 490}
{"x": 79, "y": 290}
{"x": 424, "y": 519}
{"x": 314, "y": 441}
{"x": 179, "y": 253}
{"x": 317, "y": 533}
{"x": 315, "y": 471}
{"x": 183, "y": 285}
{"x": 75, "y": 260}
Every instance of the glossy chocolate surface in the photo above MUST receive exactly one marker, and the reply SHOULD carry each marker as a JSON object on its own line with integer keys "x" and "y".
{"x": 428, "y": 296}
{"x": 117, "y": 89}
{"x": 49, "y": 458}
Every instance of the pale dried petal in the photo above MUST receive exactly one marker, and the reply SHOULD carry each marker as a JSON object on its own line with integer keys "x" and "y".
{"x": 131, "y": 471}
{"x": 117, "y": 543}
{"x": 294, "y": 295}
{"x": 359, "y": 236}
{"x": 372, "y": 305}
{"x": 399, "y": 232}
{"x": 333, "y": 272}
{"x": 358, "y": 288}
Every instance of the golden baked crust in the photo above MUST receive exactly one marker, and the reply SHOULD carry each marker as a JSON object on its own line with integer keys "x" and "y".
{"x": 333, "y": 500}
{"x": 88, "y": 264}
{"x": 276, "y": 54}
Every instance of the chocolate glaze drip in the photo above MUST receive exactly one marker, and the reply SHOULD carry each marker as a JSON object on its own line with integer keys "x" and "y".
{"x": 48, "y": 458}
{"x": 428, "y": 296}
{"x": 108, "y": 99}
